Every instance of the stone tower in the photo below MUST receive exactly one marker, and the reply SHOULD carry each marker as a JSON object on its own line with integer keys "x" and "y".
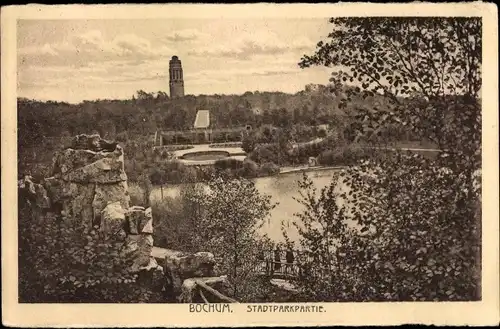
{"x": 176, "y": 78}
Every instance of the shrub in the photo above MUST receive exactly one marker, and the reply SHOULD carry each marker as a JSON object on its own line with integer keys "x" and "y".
{"x": 175, "y": 221}
{"x": 178, "y": 147}
{"x": 224, "y": 145}
{"x": 224, "y": 222}
{"x": 269, "y": 169}
{"x": 66, "y": 260}
{"x": 233, "y": 211}
{"x": 344, "y": 155}
{"x": 418, "y": 233}
{"x": 250, "y": 169}
{"x": 268, "y": 153}
{"x": 248, "y": 144}
{"x": 122, "y": 136}
{"x": 184, "y": 140}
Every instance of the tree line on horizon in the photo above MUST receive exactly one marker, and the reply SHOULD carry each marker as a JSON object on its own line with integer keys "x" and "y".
{"x": 148, "y": 112}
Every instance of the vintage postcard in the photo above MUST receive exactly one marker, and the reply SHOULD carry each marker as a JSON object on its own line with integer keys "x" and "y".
{"x": 250, "y": 165}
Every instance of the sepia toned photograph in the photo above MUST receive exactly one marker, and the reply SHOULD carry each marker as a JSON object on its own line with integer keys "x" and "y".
{"x": 280, "y": 161}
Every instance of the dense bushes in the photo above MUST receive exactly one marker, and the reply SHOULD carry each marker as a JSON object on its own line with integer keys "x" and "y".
{"x": 418, "y": 219}
{"x": 221, "y": 216}
{"x": 65, "y": 260}
{"x": 283, "y": 154}
{"x": 417, "y": 237}
{"x": 246, "y": 168}
{"x": 248, "y": 144}
{"x": 176, "y": 218}
{"x": 269, "y": 168}
{"x": 250, "y": 169}
{"x": 343, "y": 156}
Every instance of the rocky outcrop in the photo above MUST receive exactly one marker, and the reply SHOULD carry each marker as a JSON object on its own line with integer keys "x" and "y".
{"x": 112, "y": 220}
{"x": 138, "y": 218}
{"x": 34, "y": 193}
{"x": 87, "y": 177}
{"x": 182, "y": 266}
{"x": 89, "y": 185}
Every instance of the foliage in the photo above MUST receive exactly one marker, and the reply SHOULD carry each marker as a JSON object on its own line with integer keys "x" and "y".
{"x": 283, "y": 154}
{"x": 222, "y": 216}
{"x": 146, "y": 113}
{"x": 234, "y": 211}
{"x": 269, "y": 169}
{"x": 429, "y": 59}
{"x": 248, "y": 144}
{"x": 417, "y": 221}
{"x": 176, "y": 219}
{"x": 345, "y": 155}
{"x": 224, "y": 145}
{"x": 250, "y": 169}
{"x": 62, "y": 260}
{"x": 321, "y": 227}
{"x": 390, "y": 235}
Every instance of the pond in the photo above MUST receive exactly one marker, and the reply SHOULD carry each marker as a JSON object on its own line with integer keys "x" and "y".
{"x": 205, "y": 155}
{"x": 282, "y": 189}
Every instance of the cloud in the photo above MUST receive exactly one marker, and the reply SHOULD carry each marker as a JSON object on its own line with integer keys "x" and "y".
{"x": 94, "y": 73}
{"x": 46, "y": 49}
{"x": 248, "y": 72}
{"x": 185, "y": 35}
{"x": 254, "y": 44}
{"x": 93, "y": 47}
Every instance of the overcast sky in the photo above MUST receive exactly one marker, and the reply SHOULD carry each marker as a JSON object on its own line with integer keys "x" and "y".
{"x": 75, "y": 60}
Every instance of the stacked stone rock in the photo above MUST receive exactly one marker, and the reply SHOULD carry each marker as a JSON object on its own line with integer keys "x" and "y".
{"x": 89, "y": 184}
{"x": 86, "y": 177}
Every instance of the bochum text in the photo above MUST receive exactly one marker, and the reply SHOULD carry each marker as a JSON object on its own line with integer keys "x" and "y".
{"x": 209, "y": 308}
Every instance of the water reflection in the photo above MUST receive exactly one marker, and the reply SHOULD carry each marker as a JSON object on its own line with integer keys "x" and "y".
{"x": 282, "y": 189}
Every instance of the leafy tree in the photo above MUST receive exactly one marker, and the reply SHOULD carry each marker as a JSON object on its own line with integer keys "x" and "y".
{"x": 161, "y": 95}
{"x": 322, "y": 229}
{"x": 177, "y": 220}
{"x": 107, "y": 129}
{"x": 64, "y": 260}
{"x": 233, "y": 212}
{"x": 438, "y": 59}
{"x": 142, "y": 95}
{"x": 248, "y": 143}
{"x": 417, "y": 220}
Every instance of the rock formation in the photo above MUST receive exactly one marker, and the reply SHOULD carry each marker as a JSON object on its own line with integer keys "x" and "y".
{"x": 87, "y": 177}
{"x": 89, "y": 184}
{"x": 182, "y": 266}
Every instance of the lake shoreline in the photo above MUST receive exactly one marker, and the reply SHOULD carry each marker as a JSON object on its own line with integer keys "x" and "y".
{"x": 283, "y": 190}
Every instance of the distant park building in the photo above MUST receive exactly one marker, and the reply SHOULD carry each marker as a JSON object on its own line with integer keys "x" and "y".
{"x": 176, "y": 78}
{"x": 202, "y": 126}
{"x": 202, "y": 132}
